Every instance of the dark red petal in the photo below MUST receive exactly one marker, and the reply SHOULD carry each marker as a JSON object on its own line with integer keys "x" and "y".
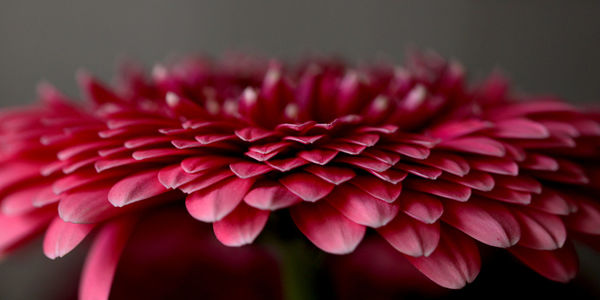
{"x": 441, "y": 188}
{"x": 327, "y": 228}
{"x": 332, "y": 174}
{"x": 559, "y": 265}
{"x": 246, "y": 169}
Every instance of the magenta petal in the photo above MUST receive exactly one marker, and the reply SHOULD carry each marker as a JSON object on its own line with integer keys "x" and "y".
{"x": 136, "y": 187}
{"x": 217, "y": 201}
{"x": 540, "y": 230}
{"x": 411, "y": 237}
{"x": 270, "y": 195}
{"x": 454, "y": 263}
{"x": 490, "y": 223}
{"x": 318, "y": 156}
{"x": 241, "y": 226}
{"x": 206, "y": 179}
{"x": 423, "y": 207}
{"x": 362, "y": 208}
{"x": 325, "y": 227}
{"x": 378, "y": 188}
{"x": 102, "y": 259}
{"x": 475, "y": 179}
{"x": 307, "y": 186}
{"x": 450, "y": 163}
{"x": 559, "y": 265}
{"x": 62, "y": 237}
{"x": 551, "y": 202}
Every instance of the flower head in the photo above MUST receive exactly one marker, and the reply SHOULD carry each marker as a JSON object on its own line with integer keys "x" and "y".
{"x": 431, "y": 165}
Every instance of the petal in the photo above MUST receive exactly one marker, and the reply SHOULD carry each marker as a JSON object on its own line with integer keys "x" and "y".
{"x": 488, "y": 222}
{"x": 16, "y": 229}
{"x": 496, "y": 165}
{"x": 587, "y": 218}
{"x": 475, "y": 179}
{"x": 559, "y": 265}
{"x": 335, "y": 175}
{"x": 325, "y": 227}
{"x": 88, "y": 205}
{"x": 476, "y": 145}
{"x": 423, "y": 207}
{"x": 540, "y": 230}
{"x": 441, "y": 188}
{"x": 361, "y": 207}
{"x": 411, "y": 237}
{"x": 378, "y": 188}
{"x": 241, "y": 226}
{"x": 174, "y": 176}
{"x": 454, "y": 263}
{"x": 307, "y": 186}
{"x": 246, "y": 169}
{"x": 318, "y": 156}
{"x": 202, "y": 163}
{"x": 215, "y": 202}
{"x": 136, "y": 187}
{"x": 270, "y": 195}
{"x": 102, "y": 259}
{"x": 62, "y": 237}
{"x": 520, "y": 129}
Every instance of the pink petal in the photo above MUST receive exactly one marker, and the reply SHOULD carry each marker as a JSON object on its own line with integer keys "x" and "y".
{"x": 174, "y": 176}
{"x": 490, "y": 223}
{"x": 250, "y": 134}
{"x": 454, "y": 263}
{"x": 216, "y": 202}
{"x": 362, "y": 208}
{"x": 476, "y": 145}
{"x": 520, "y": 129}
{"x": 318, "y": 156}
{"x": 206, "y": 179}
{"x": 203, "y": 163}
{"x": 413, "y": 151}
{"x": 21, "y": 200}
{"x": 459, "y": 128}
{"x": 241, "y": 226}
{"x": 551, "y": 202}
{"x": 507, "y": 195}
{"x": 475, "y": 179}
{"x": 16, "y": 229}
{"x": 307, "y": 186}
{"x": 559, "y": 265}
{"x": 377, "y": 188}
{"x": 539, "y": 162}
{"x": 450, "y": 163}
{"x": 421, "y": 171}
{"x": 270, "y": 195}
{"x": 521, "y": 183}
{"x": 287, "y": 164}
{"x": 335, "y": 175}
{"x": 496, "y": 165}
{"x": 442, "y": 188}
{"x": 364, "y": 162}
{"x": 325, "y": 227}
{"x": 423, "y": 207}
{"x": 246, "y": 169}
{"x": 540, "y": 230}
{"x": 411, "y": 237}
{"x": 102, "y": 259}
{"x": 136, "y": 187}
{"x": 62, "y": 237}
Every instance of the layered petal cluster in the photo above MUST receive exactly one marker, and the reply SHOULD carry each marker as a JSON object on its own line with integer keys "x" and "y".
{"x": 431, "y": 165}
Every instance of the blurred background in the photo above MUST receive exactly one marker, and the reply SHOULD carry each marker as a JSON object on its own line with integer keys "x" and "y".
{"x": 543, "y": 46}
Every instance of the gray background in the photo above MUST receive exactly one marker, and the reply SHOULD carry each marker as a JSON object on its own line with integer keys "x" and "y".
{"x": 544, "y": 46}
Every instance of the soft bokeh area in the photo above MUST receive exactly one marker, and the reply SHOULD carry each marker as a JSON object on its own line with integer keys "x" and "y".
{"x": 543, "y": 46}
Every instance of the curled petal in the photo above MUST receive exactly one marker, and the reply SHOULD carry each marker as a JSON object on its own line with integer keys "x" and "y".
{"x": 241, "y": 226}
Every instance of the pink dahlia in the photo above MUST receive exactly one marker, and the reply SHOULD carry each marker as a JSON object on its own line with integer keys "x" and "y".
{"x": 434, "y": 167}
